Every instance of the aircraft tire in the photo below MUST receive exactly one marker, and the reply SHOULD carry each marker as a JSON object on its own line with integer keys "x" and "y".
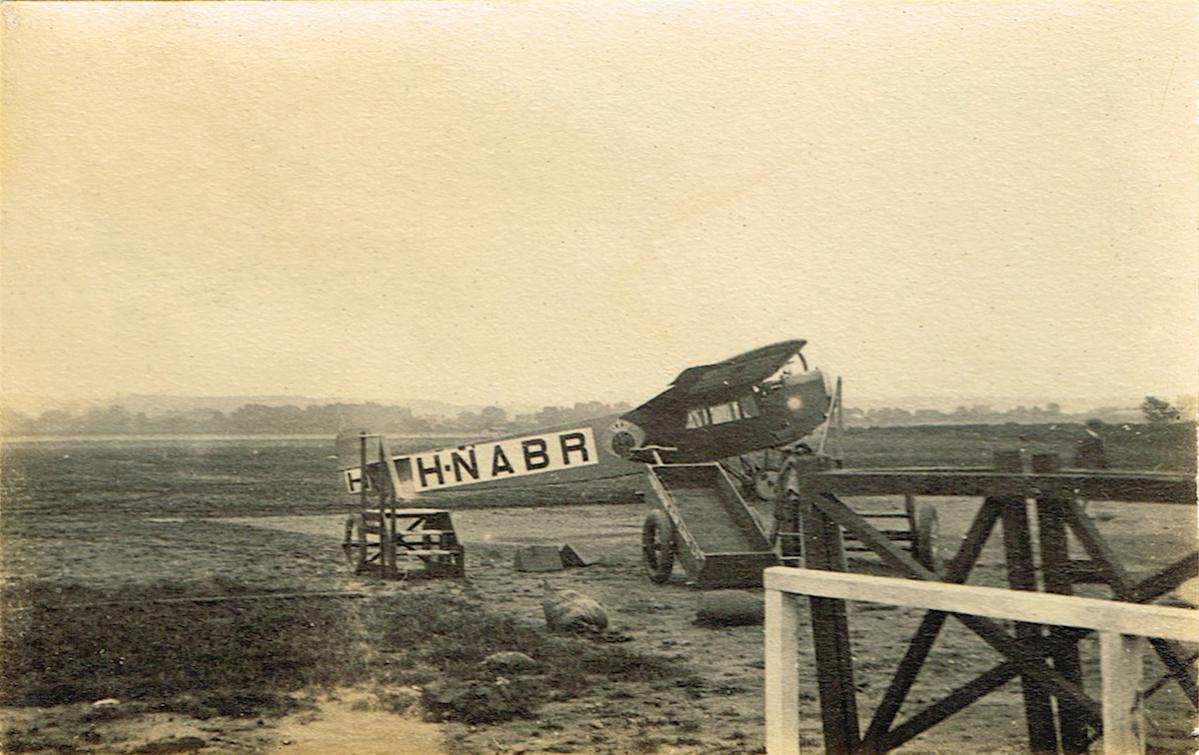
{"x": 766, "y": 484}
{"x": 354, "y": 544}
{"x": 657, "y": 546}
{"x": 926, "y": 531}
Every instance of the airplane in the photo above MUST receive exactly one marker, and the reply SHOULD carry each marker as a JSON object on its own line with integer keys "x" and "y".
{"x": 763, "y": 399}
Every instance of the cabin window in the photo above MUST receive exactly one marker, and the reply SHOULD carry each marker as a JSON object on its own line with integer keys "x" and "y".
{"x": 725, "y": 412}
{"x": 730, "y": 411}
{"x": 749, "y": 406}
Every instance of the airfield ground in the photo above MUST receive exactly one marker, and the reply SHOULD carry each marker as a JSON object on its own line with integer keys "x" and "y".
{"x": 106, "y": 544}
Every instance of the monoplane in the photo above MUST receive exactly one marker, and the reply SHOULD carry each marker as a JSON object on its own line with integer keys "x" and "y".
{"x": 767, "y": 398}
{"x": 693, "y": 443}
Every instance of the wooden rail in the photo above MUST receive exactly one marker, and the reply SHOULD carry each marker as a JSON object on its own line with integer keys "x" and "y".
{"x": 1109, "y": 485}
{"x": 1059, "y": 715}
{"x": 1121, "y": 627}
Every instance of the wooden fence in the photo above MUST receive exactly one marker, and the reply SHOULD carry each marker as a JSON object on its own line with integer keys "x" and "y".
{"x": 1121, "y": 627}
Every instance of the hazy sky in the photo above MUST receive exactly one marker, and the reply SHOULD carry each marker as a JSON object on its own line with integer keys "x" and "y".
{"x": 523, "y": 203}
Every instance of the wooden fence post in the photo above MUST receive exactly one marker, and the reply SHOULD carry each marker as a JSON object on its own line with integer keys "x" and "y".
{"x": 1022, "y": 575}
{"x": 823, "y": 549}
{"x": 782, "y": 673}
{"x": 1058, "y": 577}
{"x": 1123, "y": 709}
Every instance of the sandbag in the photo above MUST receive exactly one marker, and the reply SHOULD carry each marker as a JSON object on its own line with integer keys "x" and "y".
{"x": 727, "y": 608}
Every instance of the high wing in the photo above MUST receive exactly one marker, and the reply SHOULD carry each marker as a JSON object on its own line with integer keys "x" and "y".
{"x": 739, "y": 371}
{"x": 705, "y": 384}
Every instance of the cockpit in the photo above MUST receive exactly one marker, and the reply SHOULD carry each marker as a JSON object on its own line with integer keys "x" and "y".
{"x": 794, "y": 372}
{"x": 794, "y": 366}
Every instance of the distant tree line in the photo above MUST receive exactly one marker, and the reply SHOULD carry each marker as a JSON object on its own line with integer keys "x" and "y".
{"x": 978, "y": 414}
{"x": 325, "y": 419}
{"x": 1153, "y": 411}
{"x": 328, "y": 419}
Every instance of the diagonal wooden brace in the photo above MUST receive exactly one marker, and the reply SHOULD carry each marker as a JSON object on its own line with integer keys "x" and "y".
{"x": 1031, "y": 662}
{"x": 930, "y": 627}
{"x": 1172, "y": 655}
{"x": 947, "y": 706}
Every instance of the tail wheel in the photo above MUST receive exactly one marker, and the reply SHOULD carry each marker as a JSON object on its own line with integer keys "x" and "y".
{"x": 926, "y": 533}
{"x": 354, "y": 544}
{"x": 657, "y": 546}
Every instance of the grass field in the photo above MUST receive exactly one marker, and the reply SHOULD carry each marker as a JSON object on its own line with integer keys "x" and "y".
{"x": 250, "y": 477}
{"x": 1168, "y": 448}
{"x": 106, "y": 544}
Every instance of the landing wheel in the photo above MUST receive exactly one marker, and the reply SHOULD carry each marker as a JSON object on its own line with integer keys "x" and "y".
{"x": 926, "y": 532}
{"x": 766, "y": 484}
{"x": 657, "y": 546}
{"x": 354, "y": 545}
{"x": 759, "y": 474}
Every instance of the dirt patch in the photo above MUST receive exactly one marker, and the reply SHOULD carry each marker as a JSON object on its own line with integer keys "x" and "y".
{"x": 82, "y": 728}
{"x": 354, "y": 720}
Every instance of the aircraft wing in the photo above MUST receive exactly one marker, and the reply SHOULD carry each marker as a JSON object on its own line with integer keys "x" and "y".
{"x": 703, "y": 384}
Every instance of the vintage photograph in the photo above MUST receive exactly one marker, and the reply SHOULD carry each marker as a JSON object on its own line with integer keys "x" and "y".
{"x": 599, "y": 377}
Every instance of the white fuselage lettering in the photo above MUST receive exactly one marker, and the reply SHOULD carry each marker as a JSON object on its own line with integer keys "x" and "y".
{"x": 488, "y": 461}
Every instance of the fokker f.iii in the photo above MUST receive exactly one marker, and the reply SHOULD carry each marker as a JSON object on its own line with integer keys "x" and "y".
{"x": 695, "y": 441}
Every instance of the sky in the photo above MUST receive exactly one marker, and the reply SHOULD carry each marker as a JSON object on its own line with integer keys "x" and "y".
{"x": 511, "y": 202}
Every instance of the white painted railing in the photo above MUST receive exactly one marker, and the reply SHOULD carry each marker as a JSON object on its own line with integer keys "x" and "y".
{"x": 1121, "y": 627}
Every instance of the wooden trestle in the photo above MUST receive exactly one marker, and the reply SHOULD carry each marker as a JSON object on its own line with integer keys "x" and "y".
{"x": 1045, "y": 658}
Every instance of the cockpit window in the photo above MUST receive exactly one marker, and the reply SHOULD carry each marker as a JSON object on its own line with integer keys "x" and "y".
{"x": 730, "y": 411}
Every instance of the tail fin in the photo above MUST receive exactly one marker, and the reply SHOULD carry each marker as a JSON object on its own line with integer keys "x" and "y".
{"x": 356, "y": 446}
